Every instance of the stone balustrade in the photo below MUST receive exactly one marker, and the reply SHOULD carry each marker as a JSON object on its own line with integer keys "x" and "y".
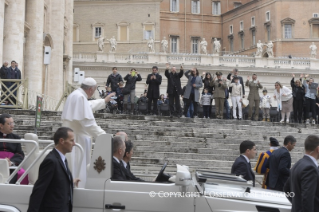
{"x": 198, "y": 59}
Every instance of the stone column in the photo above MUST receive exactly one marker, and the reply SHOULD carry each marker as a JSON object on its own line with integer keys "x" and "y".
{"x": 69, "y": 40}
{"x": 14, "y": 32}
{"x": 2, "y": 9}
{"x": 55, "y": 73}
{"x": 33, "y": 63}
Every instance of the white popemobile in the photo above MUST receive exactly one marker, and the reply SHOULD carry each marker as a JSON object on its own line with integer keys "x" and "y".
{"x": 201, "y": 191}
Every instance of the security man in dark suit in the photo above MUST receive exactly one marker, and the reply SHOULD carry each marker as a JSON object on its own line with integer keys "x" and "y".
{"x": 242, "y": 164}
{"x": 279, "y": 164}
{"x": 53, "y": 190}
{"x": 302, "y": 186}
{"x": 154, "y": 81}
{"x": 118, "y": 149}
{"x": 174, "y": 89}
{"x": 126, "y": 161}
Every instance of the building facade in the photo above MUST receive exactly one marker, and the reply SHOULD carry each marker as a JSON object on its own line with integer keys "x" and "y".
{"x": 26, "y": 26}
{"x": 292, "y": 25}
{"x": 131, "y": 22}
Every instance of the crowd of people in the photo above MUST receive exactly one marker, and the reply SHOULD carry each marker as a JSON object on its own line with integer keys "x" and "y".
{"x": 301, "y": 100}
{"x": 300, "y": 182}
{"x": 80, "y": 125}
{"x": 9, "y": 72}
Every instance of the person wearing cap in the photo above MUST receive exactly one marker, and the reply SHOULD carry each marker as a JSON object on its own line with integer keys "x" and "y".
{"x": 263, "y": 158}
{"x": 265, "y": 104}
{"x": 219, "y": 86}
{"x": 154, "y": 81}
{"x": 236, "y": 97}
{"x": 253, "y": 97}
{"x": 78, "y": 115}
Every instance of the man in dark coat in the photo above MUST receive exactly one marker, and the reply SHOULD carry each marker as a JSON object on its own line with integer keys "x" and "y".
{"x": 3, "y": 75}
{"x": 302, "y": 186}
{"x": 53, "y": 191}
{"x": 242, "y": 164}
{"x": 13, "y": 73}
{"x": 13, "y": 149}
{"x": 279, "y": 164}
{"x": 118, "y": 149}
{"x": 174, "y": 89}
{"x": 114, "y": 79}
{"x": 126, "y": 161}
{"x": 154, "y": 81}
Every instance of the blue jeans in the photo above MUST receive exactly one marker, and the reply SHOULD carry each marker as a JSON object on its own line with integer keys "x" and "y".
{"x": 190, "y": 110}
{"x": 226, "y": 106}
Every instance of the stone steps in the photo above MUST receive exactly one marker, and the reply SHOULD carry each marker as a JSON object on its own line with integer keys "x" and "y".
{"x": 199, "y": 143}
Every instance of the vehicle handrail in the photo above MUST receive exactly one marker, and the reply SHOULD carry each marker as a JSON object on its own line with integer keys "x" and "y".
{"x": 36, "y": 145}
{"x": 43, "y": 151}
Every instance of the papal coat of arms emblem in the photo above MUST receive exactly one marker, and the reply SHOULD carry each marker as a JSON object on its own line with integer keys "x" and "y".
{"x": 99, "y": 164}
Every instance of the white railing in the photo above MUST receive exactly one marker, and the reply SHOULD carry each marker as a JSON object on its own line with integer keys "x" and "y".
{"x": 198, "y": 59}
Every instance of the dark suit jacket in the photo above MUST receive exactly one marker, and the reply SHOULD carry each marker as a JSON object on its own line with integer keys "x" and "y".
{"x": 119, "y": 172}
{"x": 130, "y": 175}
{"x": 241, "y": 81}
{"x": 304, "y": 183}
{"x": 53, "y": 190}
{"x": 241, "y": 167}
{"x": 174, "y": 80}
{"x": 279, "y": 164}
{"x": 153, "y": 91}
{"x": 17, "y": 73}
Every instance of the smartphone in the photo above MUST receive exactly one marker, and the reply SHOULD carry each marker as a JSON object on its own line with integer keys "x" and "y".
{"x": 133, "y": 73}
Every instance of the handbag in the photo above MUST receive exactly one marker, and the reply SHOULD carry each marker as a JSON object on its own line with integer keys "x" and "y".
{"x": 126, "y": 90}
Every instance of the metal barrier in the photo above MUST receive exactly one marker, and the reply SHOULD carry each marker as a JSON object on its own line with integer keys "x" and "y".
{"x": 36, "y": 146}
{"x": 10, "y": 91}
{"x": 51, "y": 144}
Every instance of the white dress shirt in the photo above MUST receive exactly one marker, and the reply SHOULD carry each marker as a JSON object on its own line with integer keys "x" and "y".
{"x": 313, "y": 159}
{"x": 124, "y": 163}
{"x": 247, "y": 159}
{"x": 62, "y": 157}
{"x": 116, "y": 159}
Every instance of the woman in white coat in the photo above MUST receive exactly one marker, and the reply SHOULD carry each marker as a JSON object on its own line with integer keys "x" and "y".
{"x": 284, "y": 98}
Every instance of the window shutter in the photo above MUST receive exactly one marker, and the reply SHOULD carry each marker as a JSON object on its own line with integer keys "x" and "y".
{"x": 198, "y": 6}
{"x": 171, "y": 5}
{"x": 218, "y": 8}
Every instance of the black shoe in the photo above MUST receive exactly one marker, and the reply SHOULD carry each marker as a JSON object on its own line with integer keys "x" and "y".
{"x": 239, "y": 119}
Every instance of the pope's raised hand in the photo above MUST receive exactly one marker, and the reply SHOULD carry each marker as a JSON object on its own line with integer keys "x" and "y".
{"x": 108, "y": 98}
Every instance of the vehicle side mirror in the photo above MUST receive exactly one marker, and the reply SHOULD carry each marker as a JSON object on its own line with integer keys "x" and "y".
{"x": 183, "y": 178}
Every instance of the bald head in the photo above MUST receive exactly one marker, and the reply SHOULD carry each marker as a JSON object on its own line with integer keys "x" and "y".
{"x": 122, "y": 134}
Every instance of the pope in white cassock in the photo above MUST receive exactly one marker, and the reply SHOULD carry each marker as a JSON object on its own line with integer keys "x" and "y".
{"x": 78, "y": 115}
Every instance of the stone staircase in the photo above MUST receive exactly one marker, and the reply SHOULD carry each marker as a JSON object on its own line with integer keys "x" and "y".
{"x": 198, "y": 143}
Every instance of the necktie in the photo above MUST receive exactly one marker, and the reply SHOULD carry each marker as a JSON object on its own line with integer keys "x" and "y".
{"x": 69, "y": 175}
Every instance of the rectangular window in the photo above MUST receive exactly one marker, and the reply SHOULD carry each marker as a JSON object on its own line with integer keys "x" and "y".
{"x": 174, "y": 5}
{"x": 148, "y": 32}
{"x": 98, "y": 32}
{"x": 288, "y": 31}
{"x": 195, "y": 45}
{"x": 123, "y": 33}
{"x": 268, "y": 33}
{"x": 231, "y": 43}
{"x": 252, "y": 21}
{"x": 237, "y": 4}
{"x": 216, "y": 8}
{"x": 173, "y": 44}
{"x": 242, "y": 46}
{"x": 268, "y": 16}
{"x": 253, "y": 33}
{"x": 241, "y": 26}
{"x": 231, "y": 29}
{"x": 315, "y": 15}
{"x": 195, "y": 6}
